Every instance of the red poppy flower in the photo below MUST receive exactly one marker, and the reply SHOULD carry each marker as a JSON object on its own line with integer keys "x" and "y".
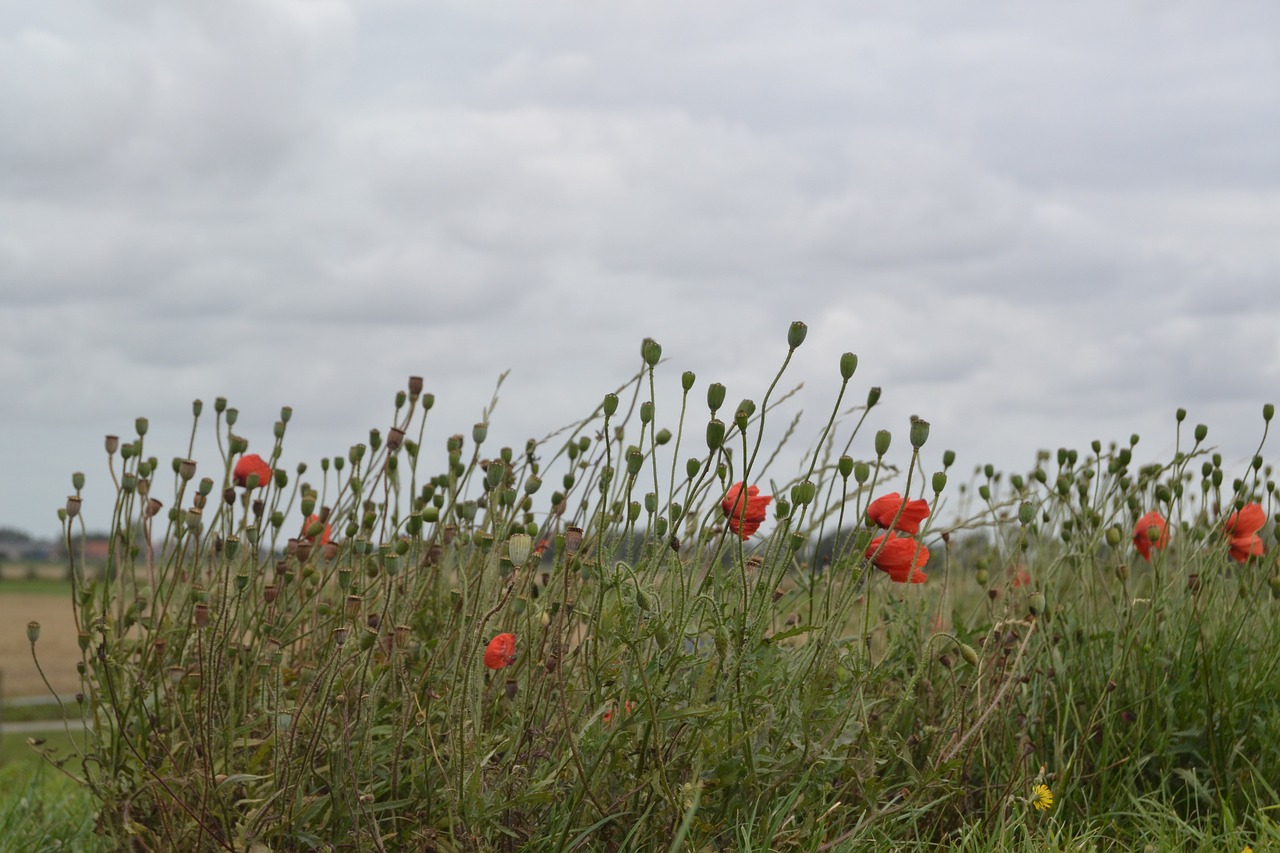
{"x": 756, "y": 509}
{"x": 501, "y": 651}
{"x": 1142, "y": 534}
{"x": 882, "y": 510}
{"x": 901, "y": 557}
{"x": 627, "y": 708}
{"x": 1242, "y": 530}
{"x": 251, "y": 464}
{"x": 324, "y": 535}
{"x": 1021, "y": 577}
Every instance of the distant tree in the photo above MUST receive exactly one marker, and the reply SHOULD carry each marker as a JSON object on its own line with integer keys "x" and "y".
{"x": 13, "y": 534}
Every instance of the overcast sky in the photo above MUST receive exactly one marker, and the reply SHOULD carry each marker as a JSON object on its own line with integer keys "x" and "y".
{"x": 1036, "y": 223}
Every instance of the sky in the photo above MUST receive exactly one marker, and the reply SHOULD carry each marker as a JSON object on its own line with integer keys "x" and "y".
{"x": 1036, "y": 224}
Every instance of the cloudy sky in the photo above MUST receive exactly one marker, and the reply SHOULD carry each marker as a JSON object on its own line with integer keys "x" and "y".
{"x": 1036, "y": 224}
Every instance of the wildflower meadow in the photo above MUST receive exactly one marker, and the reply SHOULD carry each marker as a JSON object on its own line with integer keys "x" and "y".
{"x": 638, "y": 633}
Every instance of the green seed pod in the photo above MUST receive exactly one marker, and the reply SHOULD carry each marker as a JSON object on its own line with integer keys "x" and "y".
{"x": 969, "y": 654}
{"x": 687, "y": 379}
{"x": 479, "y": 432}
{"x": 610, "y": 404}
{"x": 635, "y": 460}
{"x": 663, "y": 436}
{"x": 873, "y": 396}
{"x": 845, "y": 466}
{"x": 646, "y": 412}
{"x": 715, "y": 434}
{"x": 715, "y": 396}
{"x": 796, "y": 334}
{"x": 919, "y": 433}
{"x": 883, "y": 437}
{"x": 519, "y": 547}
{"x": 1202, "y": 432}
{"x": 1026, "y": 512}
{"x": 848, "y": 364}
{"x": 939, "y": 481}
{"x": 651, "y": 352}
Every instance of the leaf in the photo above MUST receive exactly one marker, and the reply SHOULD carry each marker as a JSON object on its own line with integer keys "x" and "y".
{"x": 789, "y": 633}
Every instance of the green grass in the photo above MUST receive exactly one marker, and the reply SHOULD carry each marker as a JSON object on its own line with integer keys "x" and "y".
{"x": 35, "y": 586}
{"x": 42, "y": 810}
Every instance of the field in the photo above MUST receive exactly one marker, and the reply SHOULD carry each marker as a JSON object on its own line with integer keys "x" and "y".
{"x": 48, "y": 602}
{"x": 606, "y": 642}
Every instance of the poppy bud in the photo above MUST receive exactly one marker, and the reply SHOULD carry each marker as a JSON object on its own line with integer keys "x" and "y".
{"x": 796, "y": 541}
{"x": 1036, "y": 603}
{"x": 1268, "y": 412}
{"x": 740, "y": 419}
{"x": 804, "y": 492}
{"x": 610, "y": 404}
{"x": 848, "y": 364}
{"x": 883, "y": 438}
{"x": 782, "y": 508}
{"x": 33, "y": 632}
{"x": 715, "y": 396}
{"x": 873, "y": 396}
{"x": 663, "y": 437}
{"x": 1026, "y": 512}
{"x": 861, "y": 472}
{"x": 969, "y": 654}
{"x": 939, "y": 481}
{"x": 715, "y": 434}
{"x": 646, "y": 412}
{"x": 1201, "y": 432}
{"x": 919, "y": 432}
{"x": 232, "y": 415}
{"x": 687, "y": 379}
{"x": 796, "y": 334}
{"x": 981, "y": 577}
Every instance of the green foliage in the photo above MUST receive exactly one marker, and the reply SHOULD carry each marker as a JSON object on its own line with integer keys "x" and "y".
{"x": 249, "y": 682}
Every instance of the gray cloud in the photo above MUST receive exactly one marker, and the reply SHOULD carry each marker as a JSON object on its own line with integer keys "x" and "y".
{"x": 1035, "y": 225}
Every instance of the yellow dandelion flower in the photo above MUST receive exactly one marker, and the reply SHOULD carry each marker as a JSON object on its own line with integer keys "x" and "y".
{"x": 1042, "y": 798}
